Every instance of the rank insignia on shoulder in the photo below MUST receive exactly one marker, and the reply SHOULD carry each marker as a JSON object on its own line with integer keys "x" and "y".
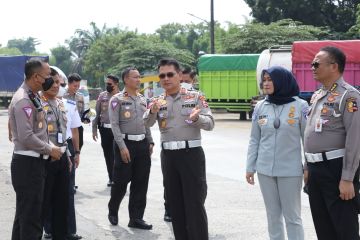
{"x": 71, "y": 102}
{"x": 351, "y": 104}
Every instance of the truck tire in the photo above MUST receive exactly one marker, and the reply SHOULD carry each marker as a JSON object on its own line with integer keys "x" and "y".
{"x": 242, "y": 116}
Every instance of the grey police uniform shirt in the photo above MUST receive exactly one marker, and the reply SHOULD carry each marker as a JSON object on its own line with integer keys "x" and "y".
{"x": 28, "y": 125}
{"x": 102, "y": 110}
{"x": 56, "y": 120}
{"x": 336, "y": 112}
{"x": 126, "y": 117}
{"x": 174, "y": 115}
{"x": 277, "y": 152}
{"x": 79, "y": 99}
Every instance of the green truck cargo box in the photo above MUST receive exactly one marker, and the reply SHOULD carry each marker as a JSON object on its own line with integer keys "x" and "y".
{"x": 229, "y": 81}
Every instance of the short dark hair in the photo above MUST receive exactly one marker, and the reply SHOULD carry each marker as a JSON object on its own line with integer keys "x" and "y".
{"x": 53, "y": 72}
{"x": 126, "y": 71}
{"x": 113, "y": 77}
{"x": 33, "y": 65}
{"x": 169, "y": 62}
{"x": 186, "y": 70}
{"x": 337, "y": 56}
{"x": 74, "y": 77}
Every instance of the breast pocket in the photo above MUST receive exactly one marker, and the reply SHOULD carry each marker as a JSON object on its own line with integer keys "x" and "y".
{"x": 127, "y": 112}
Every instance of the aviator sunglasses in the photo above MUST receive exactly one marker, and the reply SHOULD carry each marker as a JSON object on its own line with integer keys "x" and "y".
{"x": 168, "y": 74}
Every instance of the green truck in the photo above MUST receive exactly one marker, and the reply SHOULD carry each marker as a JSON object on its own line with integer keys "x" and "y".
{"x": 229, "y": 81}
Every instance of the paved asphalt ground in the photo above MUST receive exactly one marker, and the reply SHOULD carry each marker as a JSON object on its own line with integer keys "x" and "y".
{"x": 235, "y": 209}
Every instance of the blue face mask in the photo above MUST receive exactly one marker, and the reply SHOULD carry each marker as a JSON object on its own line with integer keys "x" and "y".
{"x": 187, "y": 86}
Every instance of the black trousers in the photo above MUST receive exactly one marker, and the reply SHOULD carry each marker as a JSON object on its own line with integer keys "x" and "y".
{"x": 56, "y": 198}
{"x": 28, "y": 180}
{"x": 81, "y": 136}
{"x": 334, "y": 219}
{"x": 186, "y": 190}
{"x": 137, "y": 172}
{"x": 107, "y": 142}
{"x": 71, "y": 204}
{"x": 166, "y": 203}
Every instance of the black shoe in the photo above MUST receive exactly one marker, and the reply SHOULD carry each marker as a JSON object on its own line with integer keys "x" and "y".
{"x": 73, "y": 236}
{"x": 110, "y": 183}
{"x": 113, "y": 219}
{"x": 167, "y": 217}
{"x": 47, "y": 235}
{"x": 139, "y": 223}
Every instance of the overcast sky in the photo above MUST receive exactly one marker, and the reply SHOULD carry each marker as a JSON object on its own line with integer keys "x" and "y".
{"x": 52, "y": 21}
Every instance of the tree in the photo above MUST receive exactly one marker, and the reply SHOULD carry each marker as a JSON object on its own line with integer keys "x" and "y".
{"x": 26, "y": 46}
{"x": 255, "y": 37}
{"x": 339, "y": 15}
{"x": 61, "y": 57}
{"x": 9, "y": 51}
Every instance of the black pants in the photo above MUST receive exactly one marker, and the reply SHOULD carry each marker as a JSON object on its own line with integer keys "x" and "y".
{"x": 28, "y": 179}
{"x": 107, "y": 139}
{"x": 71, "y": 204}
{"x": 56, "y": 198}
{"x": 166, "y": 203}
{"x": 186, "y": 190}
{"x": 334, "y": 219}
{"x": 137, "y": 171}
{"x": 81, "y": 136}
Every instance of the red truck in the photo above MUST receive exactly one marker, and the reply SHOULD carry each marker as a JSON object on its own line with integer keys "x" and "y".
{"x": 299, "y": 56}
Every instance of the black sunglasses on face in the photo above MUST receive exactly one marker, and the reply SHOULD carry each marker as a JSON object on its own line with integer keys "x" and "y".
{"x": 317, "y": 64}
{"x": 169, "y": 75}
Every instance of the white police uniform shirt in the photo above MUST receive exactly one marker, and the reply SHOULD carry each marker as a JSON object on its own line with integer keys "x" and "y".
{"x": 277, "y": 152}
{"x": 72, "y": 116}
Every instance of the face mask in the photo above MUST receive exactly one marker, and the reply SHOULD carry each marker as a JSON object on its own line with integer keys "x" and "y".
{"x": 109, "y": 88}
{"x": 47, "y": 84}
{"x": 61, "y": 92}
{"x": 185, "y": 85}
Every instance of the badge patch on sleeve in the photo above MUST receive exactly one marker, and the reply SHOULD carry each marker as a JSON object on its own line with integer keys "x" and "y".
{"x": 28, "y": 111}
{"x": 351, "y": 104}
{"x": 114, "y": 104}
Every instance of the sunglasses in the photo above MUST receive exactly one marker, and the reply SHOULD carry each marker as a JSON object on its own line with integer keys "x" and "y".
{"x": 317, "y": 64}
{"x": 169, "y": 75}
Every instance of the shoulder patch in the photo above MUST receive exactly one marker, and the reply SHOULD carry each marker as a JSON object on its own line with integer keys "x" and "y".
{"x": 28, "y": 111}
{"x": 114, "y": 104}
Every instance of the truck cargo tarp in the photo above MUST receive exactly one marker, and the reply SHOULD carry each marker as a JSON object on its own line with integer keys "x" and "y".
{"x": 305, "y": 51}
{"x": 228, "y": 62}
{"x": 12, "y": 71}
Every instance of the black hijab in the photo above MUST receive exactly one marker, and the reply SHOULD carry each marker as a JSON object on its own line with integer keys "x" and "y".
{"x": 285, "y": 85}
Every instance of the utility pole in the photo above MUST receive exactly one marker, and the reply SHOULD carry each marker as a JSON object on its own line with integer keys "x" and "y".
{"x": 212, "y": 28}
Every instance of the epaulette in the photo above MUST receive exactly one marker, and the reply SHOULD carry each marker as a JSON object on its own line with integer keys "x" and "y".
{"x": 71, "y": 102}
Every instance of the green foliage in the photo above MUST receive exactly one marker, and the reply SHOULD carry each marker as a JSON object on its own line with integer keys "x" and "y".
{"x": 255, "y": 37}
{"x": 26, "y": 46}
{"x": 10, "y": 51}
{"x": 112, "y": 53}
{"x": 338, "y": 15}
{"x": 61, "y": 57}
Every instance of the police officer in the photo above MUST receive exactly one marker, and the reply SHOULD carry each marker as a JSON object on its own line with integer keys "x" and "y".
{"x": 73, "y": 94}
{"x": 102, "y": 122}
{"x": 57, "y": 178}
{"x": 73, "y": 97}
{"x": 132, "y": 150}
{"x": 32, "y": 149}
{"x": 332, "y": 136}
{"x": 181, "y": 113}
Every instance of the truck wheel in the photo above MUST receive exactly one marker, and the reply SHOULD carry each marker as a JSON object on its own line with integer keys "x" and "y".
{"x": 242, "y": 115}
